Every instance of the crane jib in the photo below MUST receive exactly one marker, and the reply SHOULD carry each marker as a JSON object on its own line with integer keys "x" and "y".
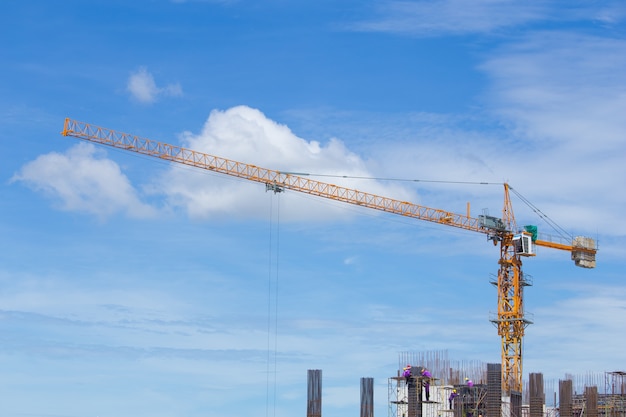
{"x": 514, "y": 244}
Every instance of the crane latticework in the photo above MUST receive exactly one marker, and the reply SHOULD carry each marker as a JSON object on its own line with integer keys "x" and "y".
{"x": 273, "y": 178}
{"x": 510, "y": 322}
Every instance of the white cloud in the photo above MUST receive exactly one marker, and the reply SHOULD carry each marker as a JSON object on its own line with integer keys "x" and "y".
{"x": 246, "y": 135}
{"x": 83, "y": 180}
{"x": 143, "y": 88}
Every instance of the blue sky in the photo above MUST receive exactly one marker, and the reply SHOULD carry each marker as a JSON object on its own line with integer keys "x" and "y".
{"x": 130, "y": 287}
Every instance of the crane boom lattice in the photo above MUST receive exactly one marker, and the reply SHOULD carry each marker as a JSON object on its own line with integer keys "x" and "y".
{"x": 514, "y": 244}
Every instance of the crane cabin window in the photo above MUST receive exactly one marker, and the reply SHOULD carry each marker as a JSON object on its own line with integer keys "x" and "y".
{"x": 523, "y": 244}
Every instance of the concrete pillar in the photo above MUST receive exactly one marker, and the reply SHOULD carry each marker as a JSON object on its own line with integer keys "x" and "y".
{"x": 367, "y": 397}
{"x": 314, "y": 393}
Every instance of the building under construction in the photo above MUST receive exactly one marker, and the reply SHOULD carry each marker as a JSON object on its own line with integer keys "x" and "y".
{"x": 474, "y": 389}
{"x": 430, "y": 385}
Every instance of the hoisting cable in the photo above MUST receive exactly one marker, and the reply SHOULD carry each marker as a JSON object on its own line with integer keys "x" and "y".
{"x": 562, "y": 232}
{"x": 276, "y": 303}
{"x": 272, "y": 273}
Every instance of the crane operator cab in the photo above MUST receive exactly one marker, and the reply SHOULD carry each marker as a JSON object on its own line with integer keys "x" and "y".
{"x": 523, "y": 244}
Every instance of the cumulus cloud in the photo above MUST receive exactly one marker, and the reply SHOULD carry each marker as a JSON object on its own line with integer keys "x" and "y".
{"x": 246, "y": 135}
{"x": 143, "y": 88}
{"x": 83, "y": 180}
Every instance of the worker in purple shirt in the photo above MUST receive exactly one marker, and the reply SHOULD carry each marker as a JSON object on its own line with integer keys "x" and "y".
{"x": 427, "y": 375}
{"x": 452, "y": 397}
{"x": 406, "y": 373}
{"x": 469, "y": 382}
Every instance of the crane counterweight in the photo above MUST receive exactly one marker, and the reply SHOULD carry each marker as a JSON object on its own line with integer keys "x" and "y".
{"x": 584, "y": 252}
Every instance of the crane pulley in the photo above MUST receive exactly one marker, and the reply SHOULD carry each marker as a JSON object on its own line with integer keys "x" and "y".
{"x": 514, "y": 243}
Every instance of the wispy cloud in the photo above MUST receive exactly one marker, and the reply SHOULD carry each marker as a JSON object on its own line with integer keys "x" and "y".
{"x": 590, "y": 316}
{"x": 451, "y": 17}
{"x": 564, "y": 96}
{"x": 428, "y": 18}
{"x": 551, "y": 77}
{"x": 143, "y": 88}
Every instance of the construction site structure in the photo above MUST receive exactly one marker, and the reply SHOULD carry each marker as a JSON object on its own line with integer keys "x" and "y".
{"x": 407, "y": 398}
{"x": 461, "y": 400}
{"x": 592, "y": 395}
{"x": 457, "y": 388}
{"x": 481, "y": 395}
{"x": 515, "y": 242}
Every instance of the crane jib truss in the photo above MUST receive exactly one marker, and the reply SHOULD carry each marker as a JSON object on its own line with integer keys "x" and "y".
{"x": 510, "y": 321}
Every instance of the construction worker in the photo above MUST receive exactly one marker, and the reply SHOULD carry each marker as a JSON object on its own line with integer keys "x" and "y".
{"x": 469, "y": 382}
{"x": 406, "y": 373}
{"x": 452, "y": 397}
{"x": 426, "y": 375}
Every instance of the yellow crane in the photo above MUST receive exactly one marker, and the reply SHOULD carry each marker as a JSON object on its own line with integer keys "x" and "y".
{"x": 514, "y": 243}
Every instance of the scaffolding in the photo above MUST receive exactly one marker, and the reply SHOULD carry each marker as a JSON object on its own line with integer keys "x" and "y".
{"x": 588, "y": 395}
{"x": 613, "y": 402}
{"x": 593, "y": 395}
{"x": 408, "y": 397}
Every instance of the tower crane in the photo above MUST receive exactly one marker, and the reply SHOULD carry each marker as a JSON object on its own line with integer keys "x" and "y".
{"x": 514, "y": 243}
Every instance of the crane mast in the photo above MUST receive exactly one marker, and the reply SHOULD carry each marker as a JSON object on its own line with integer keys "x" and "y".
{"x": 514, "y": 244}
{"x": 510, "y": 322}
